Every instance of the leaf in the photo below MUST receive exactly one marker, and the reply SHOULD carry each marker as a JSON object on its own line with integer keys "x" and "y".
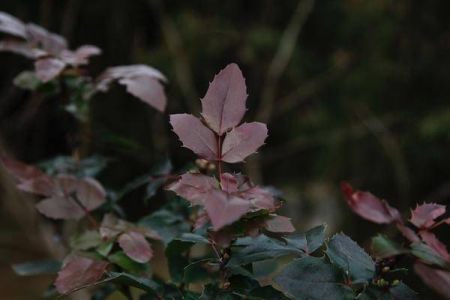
{"x": 423, "y": 216}
{"x": 71, "y": 194}
{"x": 224, "y": 103}
{"x": 196, "y": 271}
{"x": 136, "y": 246}
{"x": 143, "y": 82}
{"x": 88, "y": 167}
{"x": 142, "y": 283}
{"x": 248, "y": 250}
{"x": 37, "y": 267}
{"x": 27, "y": 80}
{"x": 80, "y": 56}
{"x": 125, "y": 262}
{"x": 428, "y": 254}
{"x": 403, "y": 292}
{"x": 78, "y": 271}
{"x": 408, "y": 232}
{"x": 48, "y": 68}
{"x": 312, "y": 278}
{"x": 39, "y": 37}
{"x": 85, "y": 241}
{"x": 224, "y": 209}
{"x": 347, "y": 255}
{"x": 21, "y": 48}
{"x": 309, "y": 241}
{"x": 384, "y": 247}
{"x": 195, "y": 136}
{"x": 369, "y": 207}
{"x": 279, "y": 224}
{"x": 431, "y": 240}
{"x": 436, "y": 279}
{"x": 260, "y": 198}
{"x": 242, "y": 141}
{"x": 229, "y": 183}
{"x": 11, "y": 25}
{"x": 194, "y": 187}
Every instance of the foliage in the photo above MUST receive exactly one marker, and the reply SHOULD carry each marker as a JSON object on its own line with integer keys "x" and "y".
{"x": 229, "y": 242}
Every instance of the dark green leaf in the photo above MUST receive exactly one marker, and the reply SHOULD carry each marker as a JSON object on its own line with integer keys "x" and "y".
{"x": 403, "y": 292}
{"x": 426, "y": 253}
{"x": 313, "y": 278}
{"x": 37, "y": 267}
{"x": 142, "y": 283}
{"x": 122, "y": 260}
{"x": 86, "y": 240}
{"x": 346, "y": 254}
{"x": 196, "y": 271}
{"x": 384, "y": 247}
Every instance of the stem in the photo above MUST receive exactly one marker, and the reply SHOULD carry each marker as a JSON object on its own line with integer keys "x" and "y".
{"x": 86, "y": 211}
{"x": 219, "y": 158}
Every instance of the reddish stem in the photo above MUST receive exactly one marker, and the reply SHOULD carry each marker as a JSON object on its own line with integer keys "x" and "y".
{"x": 85, "y": 210}
{"x": 219, "y": 158}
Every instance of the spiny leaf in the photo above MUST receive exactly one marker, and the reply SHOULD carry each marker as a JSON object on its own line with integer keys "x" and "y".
{"x": 423, "y": 216}
{"x": 194, "y": 187}
{"x": 224, "y": 209}
{"x": 368, "y": 206}
{"x": 224, "y": 103}
{"x": 242, "y": 141}
{"x": 347, "y": 255}
{"x": 312, "y": 278}
{"x": 79, "y": 271}
{"x": 194, "y": 135}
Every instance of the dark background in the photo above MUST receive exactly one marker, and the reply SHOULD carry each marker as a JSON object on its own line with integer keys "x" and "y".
{"x": 351, "y": 90}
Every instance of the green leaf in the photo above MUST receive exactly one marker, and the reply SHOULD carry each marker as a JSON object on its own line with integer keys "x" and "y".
{"x": 27, "y": 80}
{"x": 261, "y": 248}
{"x": 403, "y": 292}
{"x": 309, "y": 241}
{"x": 347, "y": 255}
{"x": 212, "y": 292}
{"x": 86, "y": 240}
{"x": 426, "y": 253}
{"x": 105, "y": 248}
{"x": 313, "y": 278}
{"x": 142, "y": 283}
{"x": 37, "y": 267}
{"x": 122, "y": 260}
{"x": 167, "y": 223}
{"x": 384, "y": 247}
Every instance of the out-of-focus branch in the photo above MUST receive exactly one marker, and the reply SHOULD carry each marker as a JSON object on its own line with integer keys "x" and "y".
{"x": 183, "y": 72}
{"x": 281, "y": 59}
{"x": 276, "y": 69}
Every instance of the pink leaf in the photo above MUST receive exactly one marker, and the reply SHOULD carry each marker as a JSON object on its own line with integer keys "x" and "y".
{"x": 438, "y": 280}
{"x": 48, "y": 68}
{"x": 194, "y": 135}
{"x": 431, "y": 240}
{"x": 201, "y": 220}
{"x": 229, "y": 183}
{"x": 11, "y": 25}
{"x": 111, "y": 227}
{"x": 79, "y": 271}
{"x": 224, "y": 103}
{"x": 224, "y": 209}
{"x": 39, "y": 37}
{"x": 72, "y": 198}
{"x": 147, "y": 89}
{"x": 80, "y": 56}
{"x": 279, "y": 224}
{"x": 408, "y": 233}
{"x": 424, "y": 215}
{"x": 30, "y": 179}
{"x": 242, "y": 141}
{"x": 194, "y": 187}
{"x": 21, "y": 48}
{"x": 260, "y": 198}
{"x": 369, "y": 207}
{"x": 135, "y": 246}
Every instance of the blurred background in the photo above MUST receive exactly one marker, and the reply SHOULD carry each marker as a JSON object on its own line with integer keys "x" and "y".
{"x": 351, "y": 90}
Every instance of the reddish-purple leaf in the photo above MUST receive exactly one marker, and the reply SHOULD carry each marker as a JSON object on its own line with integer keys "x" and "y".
{"x": 148, "y": 233}
{"x": 40, "y": 38}
{"x": 194, "y": 135}
{"x": 431, "y": 240}
{"x": 201, "y": 220}
{"x": 30, "y": 179}
{"x": 141, "y": 81}
{"x": 135, "y": 246}
{"x": 112, "y": 226}
{"x": 229, "y": 183}
{"x": 73, "y": 198}
{"x": 80, "y": 56}
{"x": 11, "y": 25}
{"x": 369, "y": 207}
{"x": 260, "y": 198}
{"x": 77, "y": 272}
{"x": 242, "y": 141}
{"x": 148, "y": 89}
{"x": 193, "y": 187}
{"x": 279, "y": 224}
{"x": 224, "y": 103}
{"x": 408, "y": 233}
{"x": 224, "y": 209}
{"x": 48, "y": 68}
{"x": 424, "y": 215}
{"x": 438, "y": 280}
